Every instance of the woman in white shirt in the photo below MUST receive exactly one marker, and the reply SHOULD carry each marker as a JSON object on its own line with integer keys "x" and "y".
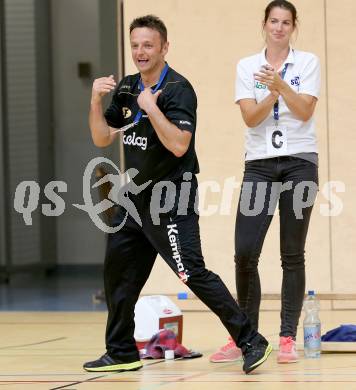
{"x": 277, "y": 91}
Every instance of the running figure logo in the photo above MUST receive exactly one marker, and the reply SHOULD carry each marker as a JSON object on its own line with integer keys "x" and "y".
{"x": 118, "y": 194}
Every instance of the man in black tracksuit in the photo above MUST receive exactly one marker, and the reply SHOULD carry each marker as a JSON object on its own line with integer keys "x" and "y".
{"x": 161, "y": 148}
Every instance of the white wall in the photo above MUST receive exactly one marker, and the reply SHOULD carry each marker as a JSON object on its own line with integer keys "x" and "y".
{"x": 206, "y": 41}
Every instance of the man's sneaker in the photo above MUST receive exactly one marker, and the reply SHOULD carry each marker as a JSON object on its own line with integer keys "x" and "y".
{"x": 227, "y": 353}
{"x": 256, "y": 353}
{"x": 107, "y": 363}
{"x": 287, "y": 350}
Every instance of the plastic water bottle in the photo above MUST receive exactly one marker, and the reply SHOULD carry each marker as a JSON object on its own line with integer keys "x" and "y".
{"x": 311, "y": 325}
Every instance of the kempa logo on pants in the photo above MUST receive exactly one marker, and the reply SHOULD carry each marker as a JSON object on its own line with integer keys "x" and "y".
{"x": 135, "y": 141}
{"x": 173, "y": 242}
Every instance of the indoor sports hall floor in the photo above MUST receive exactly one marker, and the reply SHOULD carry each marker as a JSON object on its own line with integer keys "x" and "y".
{"x": 49, "y": 327}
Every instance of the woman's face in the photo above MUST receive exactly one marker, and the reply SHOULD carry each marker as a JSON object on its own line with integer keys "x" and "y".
{"x": 279, "y": 27}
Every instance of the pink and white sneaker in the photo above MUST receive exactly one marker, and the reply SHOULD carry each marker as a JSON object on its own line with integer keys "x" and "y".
{"x": 287, "y": 350}
{"x": 227, "y": 353}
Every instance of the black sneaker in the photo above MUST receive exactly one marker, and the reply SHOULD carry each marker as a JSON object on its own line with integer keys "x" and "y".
{"x": 107, "y": 363}
{"x": 255, "y": 354}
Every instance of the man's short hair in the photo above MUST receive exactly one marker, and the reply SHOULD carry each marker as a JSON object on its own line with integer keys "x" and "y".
{"x": 153, "y": 22}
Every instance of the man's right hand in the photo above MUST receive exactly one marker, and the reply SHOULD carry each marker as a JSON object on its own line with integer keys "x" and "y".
{"x": 102, "y": 87}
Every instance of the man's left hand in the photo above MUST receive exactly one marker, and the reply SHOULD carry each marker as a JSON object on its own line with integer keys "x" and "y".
{"x": 148, "y": 100}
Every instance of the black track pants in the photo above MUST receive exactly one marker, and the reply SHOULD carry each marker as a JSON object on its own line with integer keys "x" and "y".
{"x": 130, "y": 256}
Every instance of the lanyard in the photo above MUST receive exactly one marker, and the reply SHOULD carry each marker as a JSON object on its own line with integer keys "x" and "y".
{"x": 142, "y": 87}
{"x": 276, "y": 105}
